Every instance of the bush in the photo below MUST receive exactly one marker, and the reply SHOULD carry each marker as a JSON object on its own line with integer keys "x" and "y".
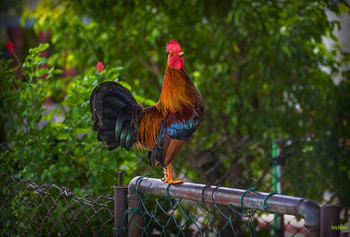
{"x": 55, "y": 144}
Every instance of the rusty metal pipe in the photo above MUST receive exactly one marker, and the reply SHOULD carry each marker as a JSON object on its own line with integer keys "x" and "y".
{"x": 120, "y": 206}
{"x": 280, "y": 204}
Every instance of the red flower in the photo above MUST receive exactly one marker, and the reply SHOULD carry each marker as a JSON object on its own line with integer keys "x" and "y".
{"x": 99, "y": 67}
{"x": 10, "y": 46}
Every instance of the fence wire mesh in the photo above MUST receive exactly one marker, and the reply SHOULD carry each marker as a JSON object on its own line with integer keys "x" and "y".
{"x": 27, "y": 209}
{"x": 167, "y": 217}
{"x": 153, "y": 215}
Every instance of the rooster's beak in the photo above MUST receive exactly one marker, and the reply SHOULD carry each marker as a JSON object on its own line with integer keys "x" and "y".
{"x": 181, "y": 53}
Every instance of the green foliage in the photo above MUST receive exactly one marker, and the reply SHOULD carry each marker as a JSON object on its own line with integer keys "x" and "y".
{"x": 259, "y": 67}
{"x": 55, "y": 145}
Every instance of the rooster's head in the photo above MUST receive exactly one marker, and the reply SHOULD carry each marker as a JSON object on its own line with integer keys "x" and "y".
{"x": 175, "y": 58}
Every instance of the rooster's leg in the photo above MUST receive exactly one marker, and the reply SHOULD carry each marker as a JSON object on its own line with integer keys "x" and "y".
{"x": 165, "y": 174}
{"x": 168, "y": 176}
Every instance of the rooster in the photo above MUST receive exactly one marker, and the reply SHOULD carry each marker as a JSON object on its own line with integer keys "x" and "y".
{"x": 163, "y": 128}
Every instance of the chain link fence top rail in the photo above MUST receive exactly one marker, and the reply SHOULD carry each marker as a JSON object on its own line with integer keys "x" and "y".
{"x": 204, "y": 210}
{"x": 27, "y": 209}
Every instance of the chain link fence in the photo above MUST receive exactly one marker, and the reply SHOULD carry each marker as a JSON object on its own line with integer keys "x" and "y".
{"x": 163, "y": 217}
{"x": 27, "y": 209}
{"x": 157, "y": 209}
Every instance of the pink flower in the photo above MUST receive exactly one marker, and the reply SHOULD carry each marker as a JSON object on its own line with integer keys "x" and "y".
{"x": 10, "y": 46}
{"x": 99, "y": 67}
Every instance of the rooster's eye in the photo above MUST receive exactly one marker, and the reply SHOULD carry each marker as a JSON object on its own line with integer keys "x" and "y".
{"x": 171, "y": 55}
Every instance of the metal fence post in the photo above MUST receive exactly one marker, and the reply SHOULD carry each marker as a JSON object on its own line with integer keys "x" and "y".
{"x": 120, "y": 207}
{"x": 330, "y": 221}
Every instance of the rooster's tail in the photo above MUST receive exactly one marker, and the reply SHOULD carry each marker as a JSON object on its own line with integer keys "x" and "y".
{"x": 116, "y": 114}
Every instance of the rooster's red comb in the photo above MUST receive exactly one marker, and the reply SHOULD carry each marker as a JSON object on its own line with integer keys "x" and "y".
{"x": 173, "y": 47}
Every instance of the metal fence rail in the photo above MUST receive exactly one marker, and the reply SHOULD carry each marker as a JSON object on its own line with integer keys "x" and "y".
{"x": 186, "y": 209}
{"x": 27, "y": 209}
{"x": 142, "y": 220}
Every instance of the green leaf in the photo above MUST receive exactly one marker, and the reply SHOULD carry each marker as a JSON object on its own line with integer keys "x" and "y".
{"x": 43, "y": 61}
{"x": 42, "y": 47}
{"x": 57, "y": 71}
{"x": 62, "y": 136}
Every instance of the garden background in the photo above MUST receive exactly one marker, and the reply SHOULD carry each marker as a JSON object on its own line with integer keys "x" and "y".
{"x": 263, "y": 69}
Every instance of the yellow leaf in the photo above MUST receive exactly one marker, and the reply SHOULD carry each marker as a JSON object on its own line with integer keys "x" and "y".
{"x": 235, "y": 47}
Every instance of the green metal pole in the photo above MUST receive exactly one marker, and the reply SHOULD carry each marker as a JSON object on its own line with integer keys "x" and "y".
{"x": 274, "y": 184}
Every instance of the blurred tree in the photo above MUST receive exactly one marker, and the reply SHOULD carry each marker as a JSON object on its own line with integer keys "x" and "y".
{"x": 11, "y": 8}
{"x": 258, "y": 66}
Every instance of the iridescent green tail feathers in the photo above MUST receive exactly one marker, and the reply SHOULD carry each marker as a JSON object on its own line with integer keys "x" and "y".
{"x": 116, "y": 114}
